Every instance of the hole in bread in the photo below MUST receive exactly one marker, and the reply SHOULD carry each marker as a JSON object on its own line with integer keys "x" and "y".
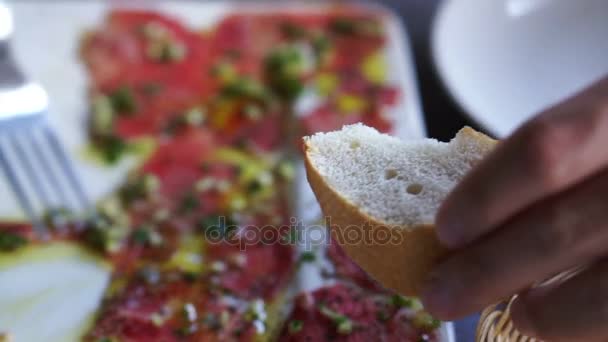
{"x": 390, "y": 174}
{"x": 414, "y": 188}
{"x": 355, "y": 144}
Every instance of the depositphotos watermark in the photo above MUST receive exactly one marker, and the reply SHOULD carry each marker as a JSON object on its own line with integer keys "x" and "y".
{"x": 308, "y": 236}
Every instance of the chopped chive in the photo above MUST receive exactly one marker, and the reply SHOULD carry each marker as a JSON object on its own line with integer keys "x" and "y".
{"x": 189, "y": 203}
{"x": 112, "y": 148}
{"x": 11, "y": 241}
{"x": 123, "y": 101}
{"x": 307, "y": 257}
{"x": 400, "y": 301}
{"x": 295, "y": 326}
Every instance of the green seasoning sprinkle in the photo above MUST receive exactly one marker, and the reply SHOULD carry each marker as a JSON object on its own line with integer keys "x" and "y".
{"x": 424, "y": 320}
{"x": 343, "y": 26}
{"x": 11, "y": 241}
{"x": 245, "y": 87}
{"x": 286, "y": 170}
{"x": 166, "y": 51}
{"x": 284, "y": 68}
{"x": 295, "y": 326}
{"x": 111, "y": 147}
{"x": 254, "y": 186}
{"x": 57, "y": 217}
{"x": 363, "y": 27}
{"x": 107, "y": 339}
{"x": 344, "y": 325}
{"x": 217, "y": 228}
{"x": 292, "y": 237}
{"x": 147, "y": 236}
{"x": 382, "y": 316}
{"x": 102, "y": 119}
{"x": 307, "y": 257}
{"x": 189, "y": 203}
{"x": 401, "y": 301}
{"x": 140, "y": 187}
{"x": 321, "y": 46}
{"x": 123, "y": 101}
{"x": 103, "y": 234}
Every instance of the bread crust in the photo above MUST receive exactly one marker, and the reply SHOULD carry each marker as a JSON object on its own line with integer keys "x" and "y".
{"x": 402, "y": 264}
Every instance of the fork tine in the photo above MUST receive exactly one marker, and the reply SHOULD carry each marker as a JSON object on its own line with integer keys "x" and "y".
{"x": 67, "y": 167}
{"x": 29, "y": 165}
{"x": 50, "y": 171}
{"x": 19, "y": 191}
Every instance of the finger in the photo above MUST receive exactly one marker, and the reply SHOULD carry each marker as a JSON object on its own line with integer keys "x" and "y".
{"x": 557, "y": 234}
{"x": 550, "y": 153}
{"x": 576, "y": 310}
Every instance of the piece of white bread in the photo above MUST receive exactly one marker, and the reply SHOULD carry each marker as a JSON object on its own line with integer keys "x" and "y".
{"x": 373, "y": 187}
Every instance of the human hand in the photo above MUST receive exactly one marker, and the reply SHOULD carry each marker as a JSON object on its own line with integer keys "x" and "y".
{"x": 536, "y": 206}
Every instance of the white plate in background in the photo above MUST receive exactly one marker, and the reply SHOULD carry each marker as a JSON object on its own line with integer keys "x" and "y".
{"x": 505, "y": 60}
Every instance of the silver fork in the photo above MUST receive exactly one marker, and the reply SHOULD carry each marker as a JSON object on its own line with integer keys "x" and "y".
{"x": 33, "y": 160}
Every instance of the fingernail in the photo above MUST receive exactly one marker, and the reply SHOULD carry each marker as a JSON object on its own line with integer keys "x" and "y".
{"x": 448, "y": 233}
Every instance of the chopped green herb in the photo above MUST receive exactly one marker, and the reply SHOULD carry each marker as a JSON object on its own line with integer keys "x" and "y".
{"x": 295, "y": 326}
{"x": 292, "y": 237}
{"x": 166, "y": 51}
{"x": 321, "y": 46}
{"x": 57, "y": 217}
{"x": 139, "y": 187}
{"x": 190, "y": 277}
{"x": 245, "y": 87}
{"x": 102, "y": 234}
{"x": 146, "y": 236}
{"x": 286, "y": 170}
{"x": 112, "y": 147}
{"x": 102, "y": 116}
{"x": 10, "y": 241}
{"x": 343, "y": 26}
{"x": 254, "y": 186}
{"x": 256, "y": 311}
{"x": 189, "y": 203}
{"x": 154, "y": 30}
{"x": 400, "y": 301}
{"x": 344, "y": 325}
{"x": 157, "y": 319}
{"x": 253, "y": 112}
{"x": 424, "y": 320}
{"x": 307, "y": 257}
{"x": 284, "y": 69}
{"x": 123, "y": 101}
{"x": 382, "y": 316}
{"x": 186, "y": 331}
{"x": 174, "y": 125}
{"x": 217, "y": 228}
{"x": 364, "y": 27}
